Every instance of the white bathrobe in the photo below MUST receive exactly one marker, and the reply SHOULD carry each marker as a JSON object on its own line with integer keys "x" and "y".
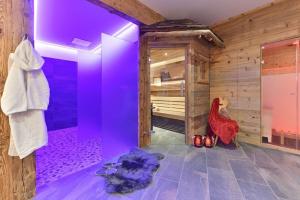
{"x": 25, "y": 97}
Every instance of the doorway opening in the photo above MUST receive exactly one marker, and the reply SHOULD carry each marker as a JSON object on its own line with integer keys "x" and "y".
{"x": 168, "y": 95}
{"x": 280, "y": 93}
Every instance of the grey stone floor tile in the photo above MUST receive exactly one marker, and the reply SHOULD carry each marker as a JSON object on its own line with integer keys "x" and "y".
{"x": 237, "y": 153}
{"x": 223, "y": 185}
{"x": 178, "y": 150}
{"x": 188, "y": 176}
{"x": 281, "y": 184}
{"x": 158, "y": 149}
{"x": 217, "y": 159}
{"x": 189, "y": 173}
{"x": 164, "y": 164}
{"x": 165, "y": 137}
{"x": 173, "y": 168}
{"x": 258, "y": 156}
{"x": 195, "y": 159}
{"x": 161, "y": 189}
{"x": 246, "y": 171}
{"x": 289, "y": 163}
{"x": 253, "y": 191}
{"x": 195, "y": 189}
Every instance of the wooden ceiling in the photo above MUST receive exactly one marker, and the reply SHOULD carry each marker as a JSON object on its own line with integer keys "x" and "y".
{"x": 164, "y": 54}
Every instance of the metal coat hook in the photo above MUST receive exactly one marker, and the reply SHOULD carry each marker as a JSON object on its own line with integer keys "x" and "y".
{"x": 27, "y": 37}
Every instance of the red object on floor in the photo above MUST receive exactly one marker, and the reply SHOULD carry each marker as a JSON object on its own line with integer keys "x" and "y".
{"x": 198, "y": 141}
{"x": 221, "y": 126}
{"x": 208, "y": 141}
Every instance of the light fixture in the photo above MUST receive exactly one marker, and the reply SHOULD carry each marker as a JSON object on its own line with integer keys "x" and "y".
{"x": 128, "y": 27}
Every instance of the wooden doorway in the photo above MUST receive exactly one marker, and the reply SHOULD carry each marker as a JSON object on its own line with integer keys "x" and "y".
{"x": 196, "y": 84}
{"x": 168, "y": 66}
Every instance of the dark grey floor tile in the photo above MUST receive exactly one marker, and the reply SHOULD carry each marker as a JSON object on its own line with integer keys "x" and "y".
{"x": 195, "y": 189}
{"x": 249, "y": 172}
{"x": 166, "y": 137}
{"x": 281, "y": 184}
{"x": 253, "y": 191}
{"x": 236, "y": 153}
{"x": 161, "y": 189}
{"x": 158, "y": 149}
{"x": 172, "y": 168}
{"x": 195, "y": 159}
{"x": 289, "y": 163}
{"x": 245, "y": 170}
{"x": 164, "y": 164}
{"x": 223, "y": 185}
{"x": 178, "y": 150}
{"x": 260, "y": 158}
{"x": 217, "y": 159}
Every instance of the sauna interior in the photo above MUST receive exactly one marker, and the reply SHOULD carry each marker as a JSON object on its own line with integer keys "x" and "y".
{"x": 168, "y": 96}
{"x": 149, "y": 100}
{"x": 280, "y": 98}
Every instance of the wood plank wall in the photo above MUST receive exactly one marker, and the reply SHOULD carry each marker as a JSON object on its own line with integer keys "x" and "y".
{"x": 235, "y": 70}
{"x": 17, "y": 177}
{"x": 197, "y": 91}
{"x": 144, "y": 94}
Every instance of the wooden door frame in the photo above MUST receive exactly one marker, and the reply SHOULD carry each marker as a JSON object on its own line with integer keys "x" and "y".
{"x": 169, "y": 46}
{"x": 269, "y": 145}
{"x": 145, "y": 101}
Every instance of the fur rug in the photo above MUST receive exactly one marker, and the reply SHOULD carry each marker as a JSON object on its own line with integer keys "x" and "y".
{"x": 133, "y": 171}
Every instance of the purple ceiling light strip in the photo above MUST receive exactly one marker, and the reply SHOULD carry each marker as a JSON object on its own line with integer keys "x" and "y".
{"x": 71, "y": 53}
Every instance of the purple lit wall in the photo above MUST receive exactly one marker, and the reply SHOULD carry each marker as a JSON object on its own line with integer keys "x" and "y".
{"x": 89, "y": 95}
{"x": 107, "y": 85}
{"x": 62, "y": 78}
{"x": 119, "y": 96}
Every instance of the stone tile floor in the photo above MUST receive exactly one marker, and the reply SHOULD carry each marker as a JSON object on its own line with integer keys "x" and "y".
{"x": 163, "y": 136}
{"x": 188, "y": 173}
{"x": 65, "y": 154}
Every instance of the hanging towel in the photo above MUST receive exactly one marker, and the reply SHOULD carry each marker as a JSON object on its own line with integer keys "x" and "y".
{"x": 25, "y": 98}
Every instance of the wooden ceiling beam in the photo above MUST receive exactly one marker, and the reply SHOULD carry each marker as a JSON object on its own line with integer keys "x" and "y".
{"x": 133, "y": 10}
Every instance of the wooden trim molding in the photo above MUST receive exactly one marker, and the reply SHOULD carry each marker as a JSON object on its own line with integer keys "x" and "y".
{"x": 17, "y": 177}
{"x": 144, "y": 94}
{"x": 132, "y": 10}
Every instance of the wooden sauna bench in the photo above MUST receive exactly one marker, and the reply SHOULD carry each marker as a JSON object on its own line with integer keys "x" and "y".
{"x": 169, "y": 107}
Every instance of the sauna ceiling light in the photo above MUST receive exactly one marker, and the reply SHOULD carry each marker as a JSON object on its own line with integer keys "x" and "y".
{"x": 81, "y": 43}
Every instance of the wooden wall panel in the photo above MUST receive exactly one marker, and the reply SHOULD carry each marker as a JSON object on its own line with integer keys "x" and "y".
{"x": 197, "y": 92}
{"x": 17, "y": 177}
{"x": 235, "y": 70}
{"x": 144, "y": 94}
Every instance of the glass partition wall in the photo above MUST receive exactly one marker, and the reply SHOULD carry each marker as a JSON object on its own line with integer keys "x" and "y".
{"x": 280, "y": 85}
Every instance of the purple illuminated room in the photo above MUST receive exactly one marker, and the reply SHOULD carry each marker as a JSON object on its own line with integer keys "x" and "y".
{"x": 149, "y": 100}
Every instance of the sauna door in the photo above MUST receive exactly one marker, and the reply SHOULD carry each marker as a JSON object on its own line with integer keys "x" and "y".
{"x": 119, "y": 96}
{"x": 280, "y": 96}
{"x": 168, "y": 95}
